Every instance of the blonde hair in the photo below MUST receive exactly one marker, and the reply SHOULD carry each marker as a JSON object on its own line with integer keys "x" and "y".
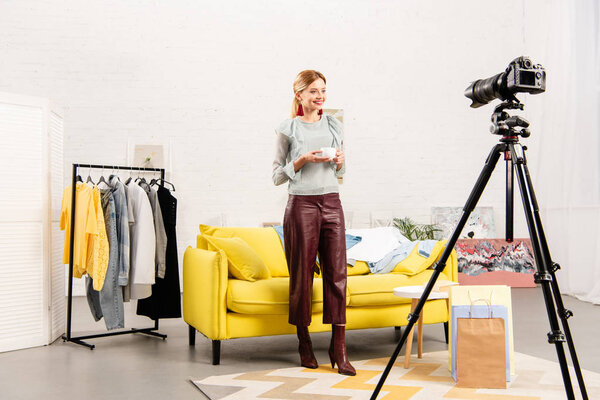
{"x": 302, "y": 81}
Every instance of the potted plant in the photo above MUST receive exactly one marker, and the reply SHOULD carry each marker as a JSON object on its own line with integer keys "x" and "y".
{"x": 413, "y": 231}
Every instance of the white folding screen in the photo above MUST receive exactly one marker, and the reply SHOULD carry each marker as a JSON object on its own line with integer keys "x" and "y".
{"x": 57, "y": 280}
{"x": 32, "y": 300}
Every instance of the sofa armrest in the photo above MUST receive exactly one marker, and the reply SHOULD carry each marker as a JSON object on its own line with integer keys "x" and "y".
{"x": 204, "y": 291}
{"x": 451, "y": 269}
{"x": 453, "y": 259}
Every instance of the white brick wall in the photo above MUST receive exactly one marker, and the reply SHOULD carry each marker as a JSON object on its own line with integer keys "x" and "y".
{"x": 214, "y": 78}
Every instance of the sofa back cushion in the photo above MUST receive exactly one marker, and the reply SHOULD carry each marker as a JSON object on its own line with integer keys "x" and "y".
{"x": 243, "y": 262}
{"x": 264, "y": 241}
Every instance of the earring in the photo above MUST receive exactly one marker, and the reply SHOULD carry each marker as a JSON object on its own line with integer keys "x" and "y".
{"x": 321, "y": 111}
{"x": 300, "y": 111}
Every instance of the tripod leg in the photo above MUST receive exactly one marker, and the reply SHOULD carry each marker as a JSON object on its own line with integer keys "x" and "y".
{"x": 543, "y": 277}
{"x": 413, "y": 317}
{"x": 551, "y": 268}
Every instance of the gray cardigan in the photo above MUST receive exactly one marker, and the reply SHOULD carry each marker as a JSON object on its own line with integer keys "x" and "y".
{"x": 295, "y": 138}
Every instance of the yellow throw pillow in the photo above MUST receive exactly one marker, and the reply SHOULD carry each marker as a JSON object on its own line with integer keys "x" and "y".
{"x": 201, "y": 242}
{"x": 359, "y": 268}
{"x": 415, "y": 263}
{"x": 244, "y": 263}
{"x": 264, "y": 241}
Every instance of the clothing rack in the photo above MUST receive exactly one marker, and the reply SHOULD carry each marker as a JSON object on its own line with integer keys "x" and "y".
{"x": 80, "y": 339}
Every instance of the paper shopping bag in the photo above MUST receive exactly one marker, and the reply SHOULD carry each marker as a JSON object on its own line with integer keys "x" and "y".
{"x": 497, "y": 294}
{"x": 477, "y": 311}
{"x": 481, "y": 353}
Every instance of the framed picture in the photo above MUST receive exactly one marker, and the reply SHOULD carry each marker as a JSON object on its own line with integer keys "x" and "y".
{"x": 479, "y": 225}
{"x": 335, "y": 112}
{"x": 495, "y": 262}
{"x": 149, "y": 153}
{"x": 269, "y": 224}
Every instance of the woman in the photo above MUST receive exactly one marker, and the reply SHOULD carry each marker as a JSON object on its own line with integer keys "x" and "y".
{"x": 314, "y": 219}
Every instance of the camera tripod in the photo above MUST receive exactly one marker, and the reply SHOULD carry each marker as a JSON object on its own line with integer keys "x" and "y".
{"x": 510, "y": 128}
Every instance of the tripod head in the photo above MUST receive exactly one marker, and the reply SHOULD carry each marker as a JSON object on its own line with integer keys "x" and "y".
{"x": 509, "y": 127}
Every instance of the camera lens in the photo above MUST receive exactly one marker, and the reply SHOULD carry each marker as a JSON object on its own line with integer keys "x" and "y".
{"x": 527, "y": 63}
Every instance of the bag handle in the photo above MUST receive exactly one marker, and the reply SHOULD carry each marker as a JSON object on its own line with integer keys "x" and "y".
{"x": 486, "y": 301}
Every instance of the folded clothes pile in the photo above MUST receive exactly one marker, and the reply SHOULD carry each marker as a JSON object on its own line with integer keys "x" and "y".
{"x": 384, "y": 247}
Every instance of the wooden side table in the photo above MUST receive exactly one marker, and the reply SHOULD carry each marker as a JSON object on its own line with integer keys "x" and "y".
{"x": 415, "y": 293}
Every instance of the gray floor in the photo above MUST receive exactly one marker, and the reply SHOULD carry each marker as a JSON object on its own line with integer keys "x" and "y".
{"x": 141, "y": 367}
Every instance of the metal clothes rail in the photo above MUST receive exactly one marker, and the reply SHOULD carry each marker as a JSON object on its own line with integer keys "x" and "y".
{"x": 80, "y": 339}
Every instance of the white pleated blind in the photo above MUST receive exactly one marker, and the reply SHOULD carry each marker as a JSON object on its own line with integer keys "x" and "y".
{"x": 21, "y": 227}
{"x": 30, "y": 166}
{"x": 58, "y": 300}
{"x": 21, "y": 162}
{"x": 57, "y": 283}
{"x": 22, "y": 311}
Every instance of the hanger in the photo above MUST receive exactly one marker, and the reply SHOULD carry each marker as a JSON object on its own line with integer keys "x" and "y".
{"x": 143, "y": 182}
{"x": 129, "y": 179}
{"x": 157, "y": 181}
{"x": 102, "y": 180}
{"x": 89, "y": 178}
{"x": 113, "y": 173}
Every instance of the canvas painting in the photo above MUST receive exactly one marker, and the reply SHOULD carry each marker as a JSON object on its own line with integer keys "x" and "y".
{"x": 495, "y": 262}
{"x": 150, "y": 153}
{"x": 479, "y": 225}
{"x": 148, "y": 156}
{"x": 335, "y": 112}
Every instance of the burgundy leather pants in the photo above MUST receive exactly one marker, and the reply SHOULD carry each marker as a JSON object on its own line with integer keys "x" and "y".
{"x": 316, "y": 223}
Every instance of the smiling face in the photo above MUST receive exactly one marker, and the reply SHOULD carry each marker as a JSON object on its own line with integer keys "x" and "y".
{"x": 314, "y": 96}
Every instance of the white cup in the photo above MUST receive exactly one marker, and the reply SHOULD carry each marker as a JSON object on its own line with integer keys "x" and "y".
{"x": 328, "y": 152}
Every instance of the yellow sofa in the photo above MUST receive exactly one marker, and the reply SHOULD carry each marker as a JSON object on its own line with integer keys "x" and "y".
{"x": 222, "y": 306}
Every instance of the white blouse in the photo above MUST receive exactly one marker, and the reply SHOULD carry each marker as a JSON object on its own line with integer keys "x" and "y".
{"x": 143, "y": 243}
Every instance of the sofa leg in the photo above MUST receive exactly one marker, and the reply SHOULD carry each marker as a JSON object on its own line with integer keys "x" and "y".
{"x": 216, "y": 352}
{"x": 446, "y": 331}
{"x": 191, "y": 335}
{"x": 397, "y": 333}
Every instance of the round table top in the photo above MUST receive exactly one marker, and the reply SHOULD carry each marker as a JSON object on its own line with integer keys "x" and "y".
{"x": 415, "y": 292}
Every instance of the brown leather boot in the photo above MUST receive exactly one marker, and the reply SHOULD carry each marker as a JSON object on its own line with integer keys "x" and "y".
{"x": 337, "y": 351}
{"x": 307, "y": 357}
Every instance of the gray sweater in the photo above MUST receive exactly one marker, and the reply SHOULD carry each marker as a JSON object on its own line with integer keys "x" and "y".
{"x": 295, "y": 138}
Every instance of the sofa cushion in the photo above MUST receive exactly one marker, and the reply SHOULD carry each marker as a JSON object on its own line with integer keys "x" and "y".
{"x": 269, "y": 296}
{"x": 415, "y": 263}
{"x": 378, "y": 289}
{"x": 359, "y": 268}
{"x": 243, "y": 262}
{"x": 264, "y": 241}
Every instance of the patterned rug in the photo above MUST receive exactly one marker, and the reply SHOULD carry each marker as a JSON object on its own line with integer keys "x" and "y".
{"x": 426, "y": 379}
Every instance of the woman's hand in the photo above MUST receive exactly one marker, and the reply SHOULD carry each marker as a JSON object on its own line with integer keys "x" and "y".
{"x": 339, "y": 159}
{"x": 313, "y": 157}
{"x": 310, "y": 157}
